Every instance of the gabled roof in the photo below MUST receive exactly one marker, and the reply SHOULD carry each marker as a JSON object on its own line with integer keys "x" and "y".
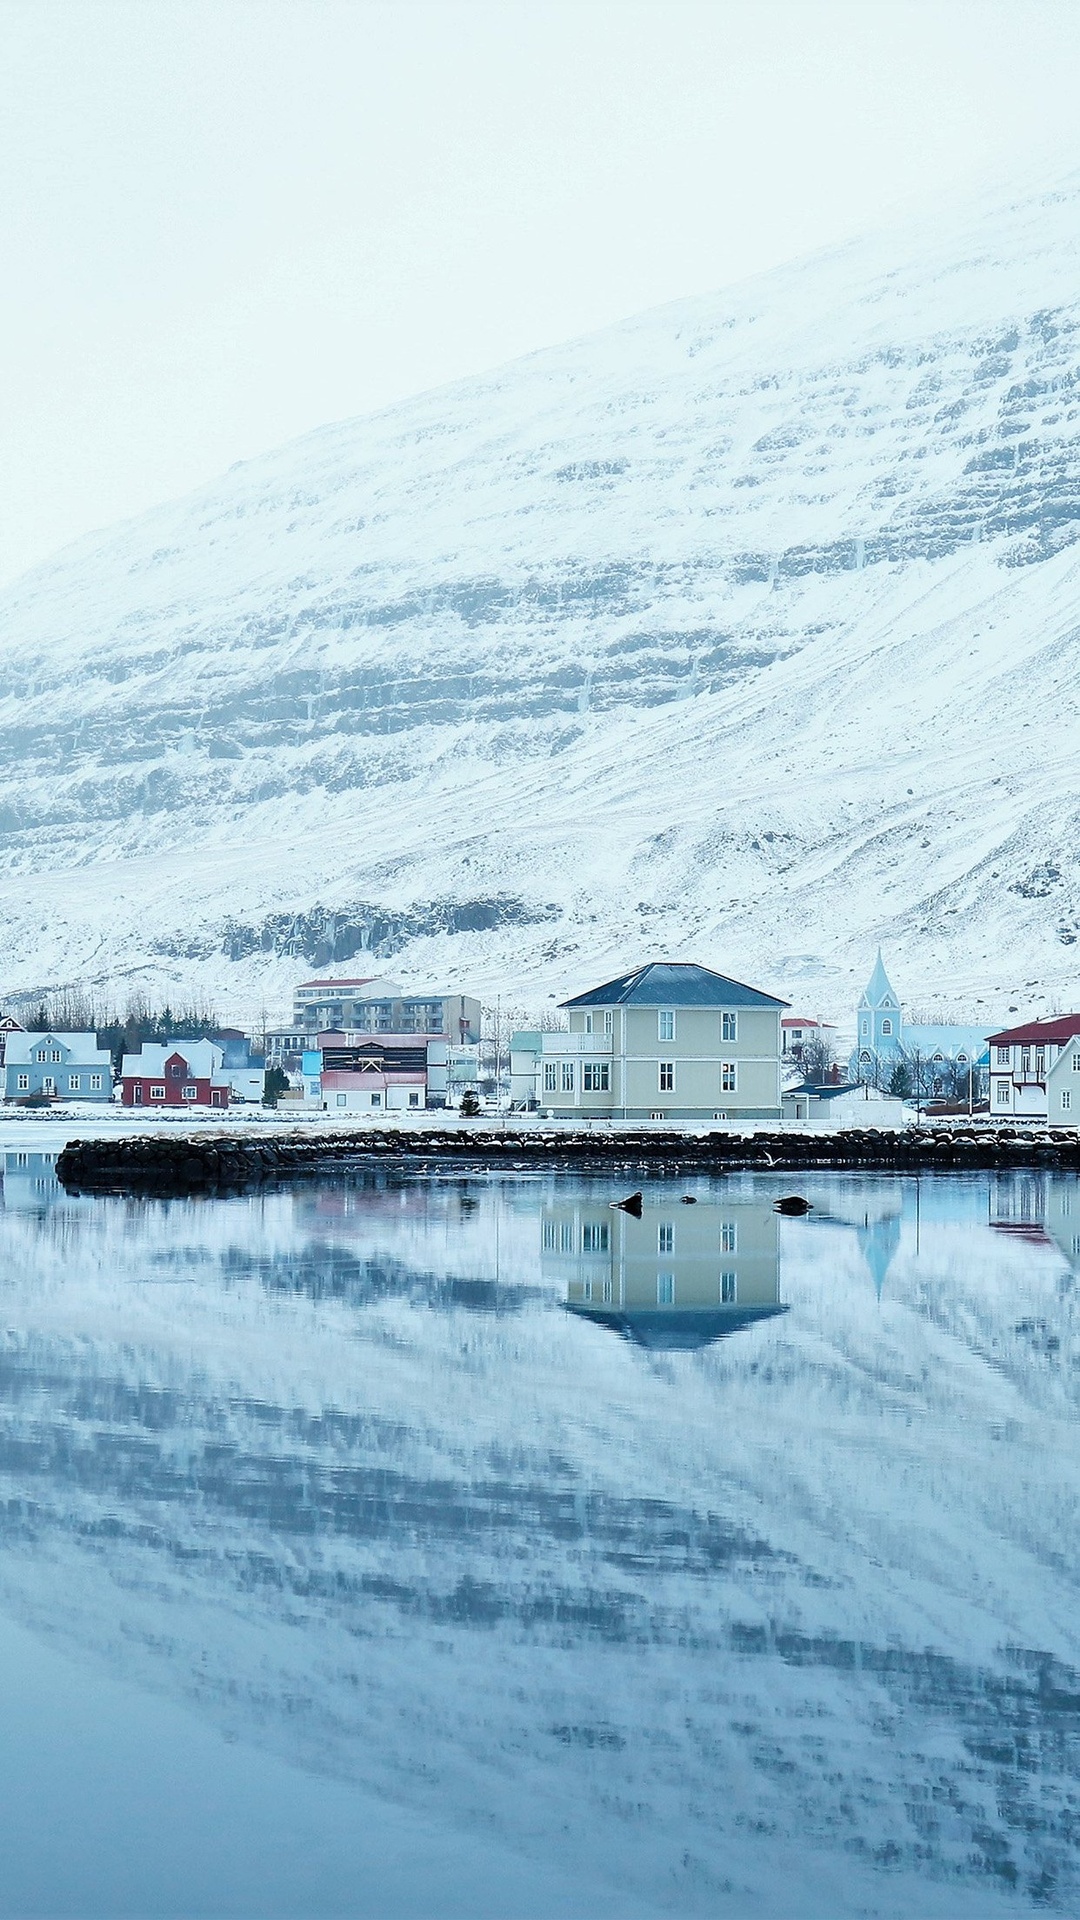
{"x": 879, "y": 987}
{"x": 78, "y": 1049}
{"x": 674, "y": 983}
{"x": 1060, "y": 1028}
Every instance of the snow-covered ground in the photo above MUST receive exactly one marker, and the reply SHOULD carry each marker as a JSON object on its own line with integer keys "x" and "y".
{"x": 745, "y": 630}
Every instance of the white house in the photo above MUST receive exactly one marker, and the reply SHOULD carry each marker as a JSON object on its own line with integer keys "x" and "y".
{"x": 1035, "y": 1071}
{"x": 843, "y": 1106}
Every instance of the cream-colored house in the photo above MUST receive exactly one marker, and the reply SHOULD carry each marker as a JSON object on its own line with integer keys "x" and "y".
{"x": 678, "y": 1277}
{"x": 1035, "y": 1071}
{"x": 673, "y": 1041}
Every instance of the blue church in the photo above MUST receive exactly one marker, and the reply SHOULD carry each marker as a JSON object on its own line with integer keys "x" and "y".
{"x": 935, "y": 1055}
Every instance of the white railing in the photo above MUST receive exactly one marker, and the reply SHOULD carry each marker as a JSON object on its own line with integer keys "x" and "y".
{"x": 565, "y": 1043}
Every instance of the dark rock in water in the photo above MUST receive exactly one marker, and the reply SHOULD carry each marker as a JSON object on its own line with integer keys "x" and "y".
{"x": 792, "y": 1203}
{"x": 689, "y": 1200}
{"x": 632, "y": 1204}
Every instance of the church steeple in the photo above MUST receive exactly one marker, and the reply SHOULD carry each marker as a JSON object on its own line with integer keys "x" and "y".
{"x": 879, "y": 991}
{"x": 880, "y": 1019}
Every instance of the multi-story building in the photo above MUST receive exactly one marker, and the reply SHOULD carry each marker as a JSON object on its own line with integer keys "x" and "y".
{"x": 673, "y": 1041}
{"x": 372, "y": 1005}
{"x": 58, "y": 1066}
{"x": 1035, "y": 1071}
{"x": 798, "y": 1033}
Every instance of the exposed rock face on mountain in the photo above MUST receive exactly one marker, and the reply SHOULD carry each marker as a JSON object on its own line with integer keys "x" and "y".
{"x": 747, "y": 628}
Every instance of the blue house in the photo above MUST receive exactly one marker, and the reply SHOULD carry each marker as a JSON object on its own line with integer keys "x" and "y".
{"x": 60, "y": 1066}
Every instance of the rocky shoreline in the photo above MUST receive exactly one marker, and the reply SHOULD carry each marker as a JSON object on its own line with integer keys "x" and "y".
{"x": 151, "y": 1163}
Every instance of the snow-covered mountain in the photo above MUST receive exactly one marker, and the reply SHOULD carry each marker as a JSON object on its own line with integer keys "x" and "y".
{"x": 747, "y": 629}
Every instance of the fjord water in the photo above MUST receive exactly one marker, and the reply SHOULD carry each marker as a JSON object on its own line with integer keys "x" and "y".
{"x": 415, "y": 1544}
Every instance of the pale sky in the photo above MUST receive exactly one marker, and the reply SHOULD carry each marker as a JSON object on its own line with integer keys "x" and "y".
{"x": 223, "y": 224}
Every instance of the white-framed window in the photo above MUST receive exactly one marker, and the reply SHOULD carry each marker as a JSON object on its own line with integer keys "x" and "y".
{"x": 342, "y": 1099}
{"x": 595, "y": 1236}
{"x": 1076, "y": 1062}
{"x": 729, "y": 1026}
{"x": 568, "y": 1076}
{"x": 95, "y": 1083}
{"x": 667, "y": 1076}
{"x": 665, "y": 1237}
{"x": 609, "y": 1020}
{"x": 551, "y": 1076}
{"x": 1004, "y": 1056}
{"x": 191, "y": 1093}
{"x": 74, "y": 1083}
{"x": 376, "y": 1099}
{"x": 1001, "y": 1093}
{"x": 551, "y": 1236}
{"x": 24, "y": 1083}
{"x": 586, "y": 1291}
{"x": 728, "y": 1076}
{"x": 56, "y": 1056}
{"x": 157, "y": 1093}
{"x": 665, "y": 1289}
{"x": 1025, "y": 1059}
{"x": 595, "y": 1077}
{"x": 588, "y": 1023}
{"x": 607, "y": 1293}
{"x": 665, "y": 1024}
{"x": 729, "y": 1236}
{"x": 566, "y": 1236}
{"x": 1066, "y": 1099}
{"x": 414, "y": 1099}
{"x": 864, "y": 1029}
{"x": 886, "y": 1026}
{"x": 42, "y": 1055}
{"x": 729, "y": 1288}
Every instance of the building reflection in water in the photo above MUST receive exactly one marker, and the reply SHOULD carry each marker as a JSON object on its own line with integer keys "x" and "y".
{"x": 30, "y": 1184}
{"x": 1028, "y": 1205}
{"x": 679, "y": 1277}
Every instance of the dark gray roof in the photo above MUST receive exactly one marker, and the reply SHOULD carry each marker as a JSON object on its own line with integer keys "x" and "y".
{"x": 828, "y": 1091}
{"x": 674, "y": 983}
{"x": 681, "y": 1329}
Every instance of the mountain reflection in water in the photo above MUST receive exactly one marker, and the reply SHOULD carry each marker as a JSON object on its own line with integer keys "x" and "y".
{"x": 783, "y": 1624}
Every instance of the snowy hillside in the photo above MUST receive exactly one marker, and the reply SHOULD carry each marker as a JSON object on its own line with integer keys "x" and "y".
{"x": 747, "y": 630}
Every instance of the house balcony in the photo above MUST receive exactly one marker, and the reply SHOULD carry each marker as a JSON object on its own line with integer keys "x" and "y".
{"x": 568, "y": 1043}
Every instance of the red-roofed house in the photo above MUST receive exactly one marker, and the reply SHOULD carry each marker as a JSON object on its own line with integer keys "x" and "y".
{"x": 1035, "y": 1071}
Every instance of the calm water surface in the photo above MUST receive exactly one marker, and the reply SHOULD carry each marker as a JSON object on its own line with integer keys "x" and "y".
{"x": 460, "y": 1546}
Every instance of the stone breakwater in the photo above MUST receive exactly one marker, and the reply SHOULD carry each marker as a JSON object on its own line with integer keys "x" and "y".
{"x": 150, "y": 1163}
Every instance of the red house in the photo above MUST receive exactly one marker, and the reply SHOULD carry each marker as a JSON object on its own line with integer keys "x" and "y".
{"x": 182, "y": 1073}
